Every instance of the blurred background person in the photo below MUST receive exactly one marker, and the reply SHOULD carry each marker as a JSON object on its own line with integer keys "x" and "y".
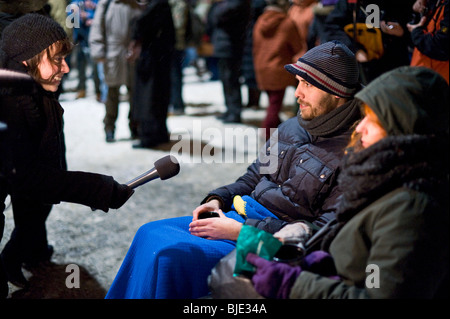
{"x": 229, "y": 20}
{"x": 180, "y": 15}
{"x": 86, "y": 10}
{"x": 430, "y": 36}
{"x": 302, "y": 14}
{"x": 109, "y": 39}
{"x": 276, "y": 42}
{"x": 380, "y": 48}
{"x": 321, "y": 9}
{"x": 153, "y": 45}
{"x": 248, "y": 69}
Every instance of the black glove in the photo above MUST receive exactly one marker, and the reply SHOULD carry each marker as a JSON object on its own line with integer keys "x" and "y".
{"x": 120, "y": 195}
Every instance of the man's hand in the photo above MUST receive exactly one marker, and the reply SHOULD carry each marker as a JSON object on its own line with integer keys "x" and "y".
{"x": 211, "y": 206}
{"x": 216, "y": 228}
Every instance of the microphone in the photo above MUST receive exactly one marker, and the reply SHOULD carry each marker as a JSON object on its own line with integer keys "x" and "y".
{"x": 165, "y": 168}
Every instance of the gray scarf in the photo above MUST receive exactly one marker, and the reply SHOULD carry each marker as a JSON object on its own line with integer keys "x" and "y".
{"x": 340, "y": 119}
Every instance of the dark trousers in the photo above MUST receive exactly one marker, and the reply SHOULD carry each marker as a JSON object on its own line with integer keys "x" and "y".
{"x": 176, "y": 94}
{"x": 113, "y": 101}
{"x": 229, "y": 73}
{"x": 112, "y": 108}
{"x": 272, "y": 119}
{"x": 28, "y": 241}
{"x": 83, "y": 60}
{"x": 153, "y": 103}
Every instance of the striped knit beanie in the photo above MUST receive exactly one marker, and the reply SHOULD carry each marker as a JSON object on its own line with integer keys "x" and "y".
{"x": 29, "y": 35}
{"x": 331, "y": 67}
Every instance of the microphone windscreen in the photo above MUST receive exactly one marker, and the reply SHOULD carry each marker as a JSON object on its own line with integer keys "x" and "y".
{"x": 167, "y": 167}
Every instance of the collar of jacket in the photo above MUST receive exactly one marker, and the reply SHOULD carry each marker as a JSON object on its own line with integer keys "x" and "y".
{"x": 338, "y": 120}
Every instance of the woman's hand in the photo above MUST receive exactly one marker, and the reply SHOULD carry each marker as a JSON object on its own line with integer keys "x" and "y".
{"x": 216, "y": 228}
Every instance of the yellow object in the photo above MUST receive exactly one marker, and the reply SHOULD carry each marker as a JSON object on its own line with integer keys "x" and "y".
{"x": 369, "y": 38}
{"x": 239, "y": 205}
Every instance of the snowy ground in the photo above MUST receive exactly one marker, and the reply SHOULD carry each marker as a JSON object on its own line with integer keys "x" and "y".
{"x": 97, "y": 242}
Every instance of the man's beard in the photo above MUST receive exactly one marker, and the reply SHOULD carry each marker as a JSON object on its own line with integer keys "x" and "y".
{"x": 324, "y": 106}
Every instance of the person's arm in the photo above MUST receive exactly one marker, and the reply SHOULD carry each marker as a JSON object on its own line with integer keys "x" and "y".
{"x": 50, "y": 185}
{"x": 434, "y": 45}
{"x": 401, "y": 233}
{"x": 97, "y": 41}
{"x": 244, "y": 185}
{"x": 34, "y": 172}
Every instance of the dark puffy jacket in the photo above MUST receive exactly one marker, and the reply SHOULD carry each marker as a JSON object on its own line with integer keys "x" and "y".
{"x": 302, "y": 187}
{"x": 228, "y": 21}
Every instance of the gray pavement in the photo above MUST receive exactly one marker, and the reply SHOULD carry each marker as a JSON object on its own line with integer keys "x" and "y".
{"x": 95, "y": 243}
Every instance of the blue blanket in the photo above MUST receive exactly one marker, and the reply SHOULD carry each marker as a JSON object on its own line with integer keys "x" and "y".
{"x": 165, "y": 261}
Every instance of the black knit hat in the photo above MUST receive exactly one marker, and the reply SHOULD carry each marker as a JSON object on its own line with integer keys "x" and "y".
{"x": 331, "y": 67}
{"x": 29, "y": 35}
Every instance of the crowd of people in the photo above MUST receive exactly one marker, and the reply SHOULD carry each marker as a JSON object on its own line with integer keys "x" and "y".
{"x": 362, "y": 175}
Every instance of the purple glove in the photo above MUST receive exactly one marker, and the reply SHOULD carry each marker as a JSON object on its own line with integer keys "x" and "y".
{"x": 319, "y": 262}
{"x": 273, "y": 279}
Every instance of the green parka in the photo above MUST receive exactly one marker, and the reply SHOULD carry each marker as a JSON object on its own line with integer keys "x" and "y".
{"x": 391, "y": 239}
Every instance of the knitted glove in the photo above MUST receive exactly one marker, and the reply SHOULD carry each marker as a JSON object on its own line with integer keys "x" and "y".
{"x": 121, "y": 193}
{"x": 319, "y": 262}
{"x": 273, "y": 279}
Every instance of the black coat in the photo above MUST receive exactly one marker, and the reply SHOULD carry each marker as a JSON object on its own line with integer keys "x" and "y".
{"x": 307, "y": 154}
{"x": 248, "y": 71}
{"x": 33, "y": 155}
{"x": 228, "y": 20}
{"x": 154, "y": 29}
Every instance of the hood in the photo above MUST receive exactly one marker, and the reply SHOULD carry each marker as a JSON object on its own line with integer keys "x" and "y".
{"x": 21, "y": 6}
{"x": 409, "y": 100}
{"x": 270, "y": 20}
